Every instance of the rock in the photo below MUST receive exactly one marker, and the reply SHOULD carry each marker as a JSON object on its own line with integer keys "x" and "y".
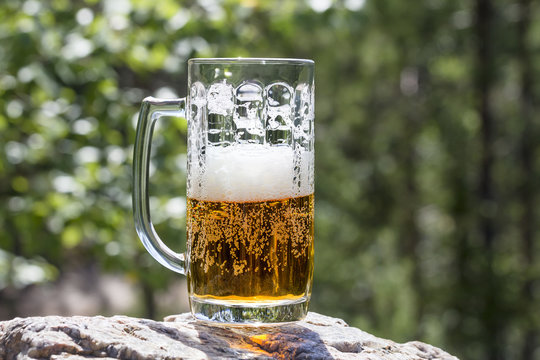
{"x": 181, "y": 337}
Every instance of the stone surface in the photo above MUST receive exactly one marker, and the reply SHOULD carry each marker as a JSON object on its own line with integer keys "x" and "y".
{"x": 181, "y": 337}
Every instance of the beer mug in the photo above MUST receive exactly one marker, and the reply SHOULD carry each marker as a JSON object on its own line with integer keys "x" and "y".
{"x": 250, "y": 162}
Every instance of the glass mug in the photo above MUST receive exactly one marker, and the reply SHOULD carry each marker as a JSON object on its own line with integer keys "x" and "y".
{"x": 250, "y": 184}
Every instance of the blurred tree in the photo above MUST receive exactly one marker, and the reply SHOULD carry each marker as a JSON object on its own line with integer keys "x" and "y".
{"x": 426, "y": 158}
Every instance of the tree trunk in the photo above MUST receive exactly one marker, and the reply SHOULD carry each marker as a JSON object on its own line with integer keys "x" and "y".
{"x": 486, "y": 204}
{"x": 527, "y": 170}
{"x": 149, "y": 300}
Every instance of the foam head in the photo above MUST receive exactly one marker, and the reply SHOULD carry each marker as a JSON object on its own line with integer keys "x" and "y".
{"x": 247, "y": 172}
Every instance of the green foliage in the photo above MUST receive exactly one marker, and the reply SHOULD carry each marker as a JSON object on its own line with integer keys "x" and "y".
{"x": 401, "y": 249}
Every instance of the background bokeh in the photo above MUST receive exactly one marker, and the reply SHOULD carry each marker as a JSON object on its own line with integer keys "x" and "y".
{"x": 427, "y": 167}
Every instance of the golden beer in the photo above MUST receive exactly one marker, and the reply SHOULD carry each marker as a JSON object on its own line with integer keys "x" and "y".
{"x": 252, "y": 251}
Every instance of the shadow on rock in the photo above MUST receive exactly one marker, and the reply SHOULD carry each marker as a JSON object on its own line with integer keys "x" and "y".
{"x": 288, "y": 341}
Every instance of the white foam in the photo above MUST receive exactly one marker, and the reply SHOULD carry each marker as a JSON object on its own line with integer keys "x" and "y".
{"x": 247, "y": 172}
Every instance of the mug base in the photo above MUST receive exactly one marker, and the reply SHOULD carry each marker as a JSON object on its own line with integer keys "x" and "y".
{"x": 249, "y": 313}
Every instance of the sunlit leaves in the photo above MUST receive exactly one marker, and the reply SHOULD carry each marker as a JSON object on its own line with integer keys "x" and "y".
{"x": 19, "y": 272}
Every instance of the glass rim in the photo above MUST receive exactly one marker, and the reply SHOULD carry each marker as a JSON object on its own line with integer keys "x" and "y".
{"x": 251, "y": 60}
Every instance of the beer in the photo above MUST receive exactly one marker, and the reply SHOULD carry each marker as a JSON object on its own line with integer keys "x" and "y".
{"x": 251, "y": 251}
{"x": 250, "y": 231}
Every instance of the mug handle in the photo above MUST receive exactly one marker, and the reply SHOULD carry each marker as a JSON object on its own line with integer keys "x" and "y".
{"x": 151, "y": 110}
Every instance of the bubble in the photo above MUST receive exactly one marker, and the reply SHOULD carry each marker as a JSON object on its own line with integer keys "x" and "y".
{"x": 220, "y": 99}
{"x": 279, "y": 94}
{"x": 220, "y": 107}
{"x": 303, "y": 116}
{"x": 198, "y": 93}
{"x": 278, "y": 107}
{"x": 197, "y": 98}
{"x": 248, "y": 113}
{"x": 278, "y": 113}
{"x": 249, "y": 91}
